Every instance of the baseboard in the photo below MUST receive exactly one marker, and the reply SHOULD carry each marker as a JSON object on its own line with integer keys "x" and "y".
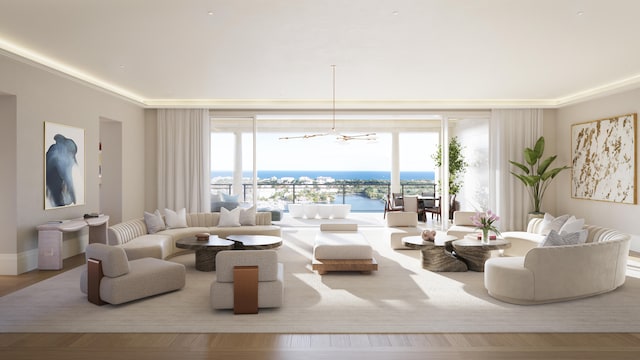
{"x": 15, "y": 264}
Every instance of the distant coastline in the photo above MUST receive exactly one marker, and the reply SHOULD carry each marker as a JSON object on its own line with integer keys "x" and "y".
{"x": 336, "y": 175}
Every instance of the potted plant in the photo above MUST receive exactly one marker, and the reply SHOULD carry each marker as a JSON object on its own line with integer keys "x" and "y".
{"x": 536, "y": 174}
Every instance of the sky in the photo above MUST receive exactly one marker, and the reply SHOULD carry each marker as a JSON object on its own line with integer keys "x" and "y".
{"x": 325, "y": 153}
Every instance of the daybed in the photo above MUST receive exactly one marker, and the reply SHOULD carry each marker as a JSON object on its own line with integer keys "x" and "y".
{"x": 401, "y": 224}
{"x": 558, "y": 273}
{"x": 138, "y": 242}
{"x": 340, "y": 247}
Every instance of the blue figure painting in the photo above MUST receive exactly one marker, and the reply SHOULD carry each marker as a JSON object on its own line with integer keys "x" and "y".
{"x": 60, "y": 160}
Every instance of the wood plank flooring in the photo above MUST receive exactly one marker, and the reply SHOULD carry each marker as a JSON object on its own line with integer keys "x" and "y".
{"x": 123, "y": 346}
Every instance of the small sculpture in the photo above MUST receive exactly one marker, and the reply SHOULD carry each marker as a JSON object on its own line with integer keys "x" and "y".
{"x": 429, "y": 235}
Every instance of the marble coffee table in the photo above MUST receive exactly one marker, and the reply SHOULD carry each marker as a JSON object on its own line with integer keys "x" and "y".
{"x": 206, "y": 251}
{"x": 473, "y": 252}
{"x": 255, "y": 242}
{"x": 436, "y": 255}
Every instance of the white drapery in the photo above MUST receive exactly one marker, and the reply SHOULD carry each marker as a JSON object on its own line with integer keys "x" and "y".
{"x": 511, "y": 130}
{"x": 183, "y": 159}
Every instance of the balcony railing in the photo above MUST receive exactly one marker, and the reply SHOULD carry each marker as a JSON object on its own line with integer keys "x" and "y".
{"x": 364, "y": 196}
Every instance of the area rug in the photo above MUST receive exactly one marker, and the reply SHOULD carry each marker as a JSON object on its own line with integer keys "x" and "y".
{"x": 400, "y": 297}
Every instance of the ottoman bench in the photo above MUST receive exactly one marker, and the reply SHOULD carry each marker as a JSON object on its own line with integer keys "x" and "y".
{"x": 340, "y": 247}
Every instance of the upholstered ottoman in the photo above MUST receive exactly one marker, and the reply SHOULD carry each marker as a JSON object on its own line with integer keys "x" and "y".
{"x": 340, "y": 247}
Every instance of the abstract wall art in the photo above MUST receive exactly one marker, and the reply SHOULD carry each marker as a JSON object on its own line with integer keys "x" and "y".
{"x": 604, "y": 159}
{"x": 63, "y": 166}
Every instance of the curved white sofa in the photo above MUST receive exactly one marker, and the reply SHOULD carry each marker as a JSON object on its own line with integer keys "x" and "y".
{"x": 559, "y": 273}
{"x": 133, "y": 236}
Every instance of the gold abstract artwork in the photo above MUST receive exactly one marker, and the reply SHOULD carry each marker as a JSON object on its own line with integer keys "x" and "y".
{"x": 604, "y": 159}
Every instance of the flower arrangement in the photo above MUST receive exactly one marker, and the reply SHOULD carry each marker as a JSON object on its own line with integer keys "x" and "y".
{"x": 485, "y": 222}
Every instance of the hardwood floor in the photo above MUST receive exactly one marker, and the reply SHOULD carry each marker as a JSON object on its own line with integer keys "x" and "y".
{"x": 97, "y": 346}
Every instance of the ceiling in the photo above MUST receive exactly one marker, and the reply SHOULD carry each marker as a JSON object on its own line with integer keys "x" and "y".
{"x": 402, "y": 54}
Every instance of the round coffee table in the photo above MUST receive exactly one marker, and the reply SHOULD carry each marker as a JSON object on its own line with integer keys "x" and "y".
{"x": 255, "y": 242}
{"x": 206, "y": 251}
{"x": 436, "y": 255}
{"x": 475, "y": 253}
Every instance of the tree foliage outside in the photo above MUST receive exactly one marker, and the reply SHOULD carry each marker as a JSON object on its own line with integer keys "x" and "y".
{"x": 457, "y": 165}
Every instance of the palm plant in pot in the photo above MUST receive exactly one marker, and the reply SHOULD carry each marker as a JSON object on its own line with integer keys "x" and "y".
{"x": 536, "y": 174}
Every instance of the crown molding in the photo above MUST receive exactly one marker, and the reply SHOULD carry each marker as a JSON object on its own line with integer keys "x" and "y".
{"x": 34, "y": 59}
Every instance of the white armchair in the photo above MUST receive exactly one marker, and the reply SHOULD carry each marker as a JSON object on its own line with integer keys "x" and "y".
{"x": 111, "y": 278}
{"x": 247, "y": 280}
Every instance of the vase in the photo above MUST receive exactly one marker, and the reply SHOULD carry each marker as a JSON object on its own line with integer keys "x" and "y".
{"x": 485, "y": 236}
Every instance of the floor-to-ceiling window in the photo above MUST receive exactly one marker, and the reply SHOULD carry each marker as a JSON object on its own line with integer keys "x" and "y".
{"x": 310, "y": 168}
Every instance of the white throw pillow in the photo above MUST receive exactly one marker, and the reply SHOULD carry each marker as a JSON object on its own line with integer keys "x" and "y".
{"x": 176, "y": 219}
{"x": 248, "y": 216}
{"x": 555, "y": 239}
{"x": 229, "y": 218}
{"x": 154, "y": 222}
{"x": 572, "y": 225}
{"x": 552, "y": 223}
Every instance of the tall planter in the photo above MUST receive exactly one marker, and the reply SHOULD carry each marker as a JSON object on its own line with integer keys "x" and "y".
{"x": 536, "y": 174}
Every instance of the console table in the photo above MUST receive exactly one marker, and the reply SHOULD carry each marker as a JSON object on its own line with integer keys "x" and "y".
{"x": 50, "y": 237}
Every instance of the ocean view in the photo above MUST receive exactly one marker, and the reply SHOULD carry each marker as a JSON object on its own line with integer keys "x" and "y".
{"x": 316, "y": 186}
{"x": 337, "y": 175}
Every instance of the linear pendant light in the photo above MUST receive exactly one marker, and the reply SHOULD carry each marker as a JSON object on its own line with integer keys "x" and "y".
{"x": 341, "y": 137}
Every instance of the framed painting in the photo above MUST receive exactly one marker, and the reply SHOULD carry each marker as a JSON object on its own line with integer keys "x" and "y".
{"x": 64, "y": 167}
{"x": 604, "y": 160}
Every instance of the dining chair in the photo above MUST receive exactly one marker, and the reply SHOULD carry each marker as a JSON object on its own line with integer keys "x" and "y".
{"x": 389, "y": 206}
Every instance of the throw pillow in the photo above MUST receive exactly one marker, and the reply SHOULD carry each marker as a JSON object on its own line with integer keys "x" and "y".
{"x": 176, "y": 219}
{"x": 154, "y": 222}
{"x": 572, "y": 225}
{"x": 555, "y": 239}
{"x": 229, "y": 218}
{"x": 230, "y": 198}
{"x": 248, "y": 216}
{"x": 552, "y": 223}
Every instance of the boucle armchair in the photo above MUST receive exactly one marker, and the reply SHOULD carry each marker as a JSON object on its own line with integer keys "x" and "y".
{"x": 111, "y": 278}
{"x": 247, "y": 280}
{"x": 558, "y": 273}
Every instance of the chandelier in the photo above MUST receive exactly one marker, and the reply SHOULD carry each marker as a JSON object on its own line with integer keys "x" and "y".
{"x": 340, "y": 137}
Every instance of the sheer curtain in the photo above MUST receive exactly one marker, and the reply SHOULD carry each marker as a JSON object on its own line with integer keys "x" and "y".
{"x": 183, "y": 159}
{"x": 511, "y": 130}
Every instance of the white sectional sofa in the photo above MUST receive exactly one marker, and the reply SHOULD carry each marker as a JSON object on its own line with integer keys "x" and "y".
{"x": 134, "y": 237}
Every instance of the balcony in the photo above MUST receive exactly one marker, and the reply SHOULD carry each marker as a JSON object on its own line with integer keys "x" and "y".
{"x": 363, "y": 196}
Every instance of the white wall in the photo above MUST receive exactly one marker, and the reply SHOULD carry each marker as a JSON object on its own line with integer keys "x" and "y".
{"x": 42, "y": 95}
{"x": 619, "y": 216}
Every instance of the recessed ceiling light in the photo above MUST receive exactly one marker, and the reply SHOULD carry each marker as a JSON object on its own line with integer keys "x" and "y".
{"x": 395, "y": 13}
{"x": 580, "y": 13}
{"x": 210, "y": 12}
